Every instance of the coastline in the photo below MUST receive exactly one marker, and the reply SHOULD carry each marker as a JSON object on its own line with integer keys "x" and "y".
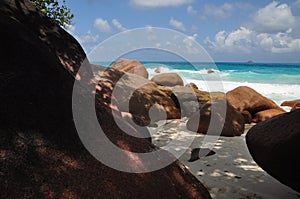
{"x": 231, "y": 172}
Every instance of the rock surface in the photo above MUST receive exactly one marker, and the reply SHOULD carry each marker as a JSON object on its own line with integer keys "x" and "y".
{"x": 41, "y": 155}
{"x": 234, "y": 123}
{"x": 140, "y": 96}
{"x": 247, "y": 116}
{"x": 191, "y": 99}
{"x": 165, "y": 101}
{"x": 296, "y": 106}
{"x": 157, "y": 69}
{"x": 290, "y": 103}
{"x": 130, "y": 66}
{"x": 186, "y": 93}
{"x": 275, "y": 145}
{"x": 246, "y": 99}
{"x": 192, "y": 85}
{"x": 266, "y": 114}
{"x": 168, "y": 79}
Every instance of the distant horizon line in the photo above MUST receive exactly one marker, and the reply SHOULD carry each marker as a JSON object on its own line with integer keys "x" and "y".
{"x": 172, "y": 61}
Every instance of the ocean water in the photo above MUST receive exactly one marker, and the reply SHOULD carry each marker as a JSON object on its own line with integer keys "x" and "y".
{"x": 277, "y": 81}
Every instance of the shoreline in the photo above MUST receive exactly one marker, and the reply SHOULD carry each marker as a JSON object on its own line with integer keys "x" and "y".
{"x": 231, "y": 172}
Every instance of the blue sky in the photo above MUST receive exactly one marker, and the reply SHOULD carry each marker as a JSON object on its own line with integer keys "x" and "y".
{"x": 258, "y": 30}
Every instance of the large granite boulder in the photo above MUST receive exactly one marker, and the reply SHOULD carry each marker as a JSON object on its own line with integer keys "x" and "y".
{"x": 275, "y": 145}
{"x": 41, "y": 155}
{"x": 234, "y": 123}
{"x": 159, "y": 101}
{"x": 140, "y": 96}
{"x": 168, "y": 79}
{"x": 130, "y": 66}
{"x": 188, "y": 93}
{"x": 192, "y": 99}
{"x": 244, "y": 98}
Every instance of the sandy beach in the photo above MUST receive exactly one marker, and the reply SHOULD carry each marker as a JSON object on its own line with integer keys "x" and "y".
{"x": 231, "y": 172}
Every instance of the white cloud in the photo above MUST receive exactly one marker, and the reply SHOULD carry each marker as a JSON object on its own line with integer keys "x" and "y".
{"x": 222, "y": 11}
{"x": 189, "y": 40}
{"x": 274, "y": 29}
{"x": 177, "y": 24}
{"x": 102, "y": 25}
{"x": 158, "y": 3}
{"x": 281, "y": 42}
{"x": 190, "y": 44}
{"x": 247, "y": 40}
{"x": 238, "y": 40}
{"x": 242, "y": 36}
{"x": 191, "y": 10}
{"x": 118, "y": 25}
{"x": 274, "y": 17}
{"x": 158, "y": 45}
{"x": 87, "y": 38}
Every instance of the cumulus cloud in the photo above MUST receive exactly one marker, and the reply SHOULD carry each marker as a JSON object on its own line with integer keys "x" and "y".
{"x": 281, "y": 42}
{"x": 158, "y": 3}
{"x": 274, "y": 17}
{"x": 189, "y": 40}
{"x": 102, "y": 25}
{"x": 118, "y": 25}
{"x": 190, "y": 10}
{"x": 238, "y": 40}
{"x": 246, "y": 40}
{"x": 190, "y": 45}
{"x": 274, "y": 29}
{"x": 87, "y": 38}
{"x": 177, "y": 24}
{"x": 222, "y": 11}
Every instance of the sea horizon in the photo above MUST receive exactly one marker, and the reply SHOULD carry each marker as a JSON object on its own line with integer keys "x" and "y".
{"x": 172, "y": 61}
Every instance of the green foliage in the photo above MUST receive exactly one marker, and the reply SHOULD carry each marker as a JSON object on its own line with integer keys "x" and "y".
{"x": 56, "y": 11}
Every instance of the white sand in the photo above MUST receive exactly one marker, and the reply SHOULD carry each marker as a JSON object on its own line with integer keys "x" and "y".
{"x": 231, "y": 172}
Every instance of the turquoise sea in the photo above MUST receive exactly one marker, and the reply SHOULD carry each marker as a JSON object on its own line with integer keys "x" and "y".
{"x": 277, "y": 81}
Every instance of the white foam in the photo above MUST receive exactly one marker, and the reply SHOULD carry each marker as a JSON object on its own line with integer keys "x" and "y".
{"x": 164, "y": 69}
{"x": 276, "y": 92}
{"x": 202, "y": 71}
